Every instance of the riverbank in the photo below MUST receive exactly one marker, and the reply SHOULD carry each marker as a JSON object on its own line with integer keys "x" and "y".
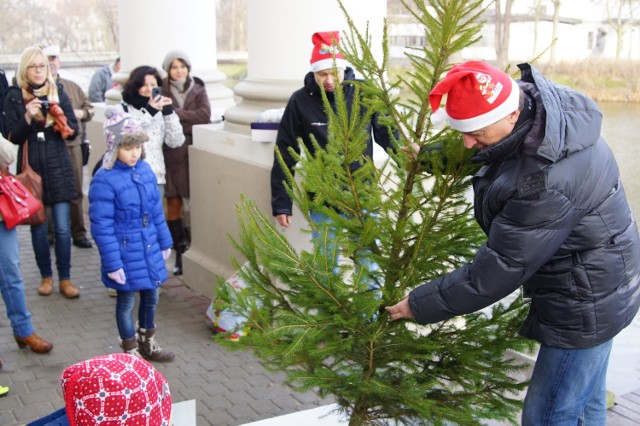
{"x": 602, "y": 80}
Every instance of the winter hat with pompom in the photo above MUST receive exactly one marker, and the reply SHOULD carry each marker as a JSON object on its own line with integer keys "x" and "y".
{"x": 120, "y": 129}
{"x": 115, "y": 389}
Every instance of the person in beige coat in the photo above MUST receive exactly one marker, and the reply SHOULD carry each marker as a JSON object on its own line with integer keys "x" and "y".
{"x": 83, "y": 110}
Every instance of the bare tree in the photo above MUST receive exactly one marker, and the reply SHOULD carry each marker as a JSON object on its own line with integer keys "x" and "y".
{"x": 554, "y": 31}
{"x": 502, "y": 27}
{"x": 620, "y": 16}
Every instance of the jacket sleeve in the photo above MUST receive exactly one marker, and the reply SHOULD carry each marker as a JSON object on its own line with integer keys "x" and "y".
{"x": 173, "y": 135}
{"x": 72, "y": 122}
{"x": 97, "y": 86}
{"x": 165, "y": 240}
{"x": 102, "y": 199}
{"x": 289, "y": 130}
{"x": 201, "y": 114}
{"x": 7, "y": 153}
{"x": 381, "y": 133}
{"x": 522, "y": 238}
{"x": 18, "y": 130}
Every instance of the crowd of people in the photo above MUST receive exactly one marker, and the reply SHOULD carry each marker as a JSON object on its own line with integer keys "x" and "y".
{"x": 548, "y": 197}
{"x": 43, "y": 118}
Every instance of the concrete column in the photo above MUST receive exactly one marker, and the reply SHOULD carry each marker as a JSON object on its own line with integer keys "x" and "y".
{"x": 151, "y": 28}
{"x": 225, "y": 162}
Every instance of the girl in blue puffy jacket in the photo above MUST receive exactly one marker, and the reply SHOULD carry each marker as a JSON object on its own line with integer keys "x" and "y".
{"x": 129, "y": 228}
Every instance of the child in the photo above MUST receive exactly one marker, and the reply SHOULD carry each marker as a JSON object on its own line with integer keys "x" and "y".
{"x": 112, "y": 389}
{"x": 130, "y": 231}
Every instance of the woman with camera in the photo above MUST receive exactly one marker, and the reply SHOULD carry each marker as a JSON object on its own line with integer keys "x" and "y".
{"x": 142, "y": 98}
{"x": 40, "y": 113}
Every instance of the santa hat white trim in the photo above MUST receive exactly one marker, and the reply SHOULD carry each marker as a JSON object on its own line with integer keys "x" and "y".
{"x": 327, "y": 63}
{"x": 476, "y": 123}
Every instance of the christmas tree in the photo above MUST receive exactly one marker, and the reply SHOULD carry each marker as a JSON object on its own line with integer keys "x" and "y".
{"x": 318, "y": 315}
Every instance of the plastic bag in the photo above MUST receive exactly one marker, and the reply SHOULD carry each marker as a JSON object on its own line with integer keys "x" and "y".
{"x": 223, "y": 320}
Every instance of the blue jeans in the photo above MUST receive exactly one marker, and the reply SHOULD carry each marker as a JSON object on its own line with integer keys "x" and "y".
{"x": 125, "y": 302}
{"x": 366, "y": 263}
{"x": 12, "y": 285}
{"x": 568, "y": 387}
{"x": 62, "y": 243}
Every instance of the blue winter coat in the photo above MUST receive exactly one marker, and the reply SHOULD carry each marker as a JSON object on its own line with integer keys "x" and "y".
{"x": 128, "y": 225}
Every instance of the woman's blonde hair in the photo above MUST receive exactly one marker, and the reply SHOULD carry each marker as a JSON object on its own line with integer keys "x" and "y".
{"x": 28, "y": 56}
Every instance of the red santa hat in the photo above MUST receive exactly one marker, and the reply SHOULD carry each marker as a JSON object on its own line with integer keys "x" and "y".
{"x": 116, "y": 389}
{"x": 478, "y": 95}
{"x": 325, "y": 50}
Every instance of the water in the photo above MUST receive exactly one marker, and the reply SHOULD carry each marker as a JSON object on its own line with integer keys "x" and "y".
{"x": 621, "y": 129}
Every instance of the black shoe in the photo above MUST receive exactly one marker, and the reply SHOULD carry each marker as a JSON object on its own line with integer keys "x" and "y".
{"x": 82, "y": 243}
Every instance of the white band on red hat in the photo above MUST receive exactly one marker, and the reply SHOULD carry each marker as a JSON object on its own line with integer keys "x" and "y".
{"x": 476, "y": 123}
{"x": 325, "y": 64}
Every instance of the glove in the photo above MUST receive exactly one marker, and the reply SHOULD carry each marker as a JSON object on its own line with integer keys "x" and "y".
{"x": 166, "y": 253}
{"x": 118, "y": 276}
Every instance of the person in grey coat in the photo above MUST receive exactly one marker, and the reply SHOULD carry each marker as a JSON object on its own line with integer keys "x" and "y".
{"x": 550, "y": 200}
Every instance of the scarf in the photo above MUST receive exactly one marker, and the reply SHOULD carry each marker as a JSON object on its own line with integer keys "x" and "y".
{"x": 55, "y": 114}
{"x": 136, "y": 100}
{"x": 177, "y": 88}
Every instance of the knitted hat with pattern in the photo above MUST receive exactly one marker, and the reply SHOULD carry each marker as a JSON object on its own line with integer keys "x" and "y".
{"x": 120, "y": 129}
{"x": 116, "y": 389}
{"x": 478, "y": 95}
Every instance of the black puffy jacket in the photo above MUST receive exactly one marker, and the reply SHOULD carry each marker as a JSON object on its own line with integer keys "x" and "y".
{"x": 550, "y": 200}
{"x": 48, "y": 157}
{"x": 303, "y": 116}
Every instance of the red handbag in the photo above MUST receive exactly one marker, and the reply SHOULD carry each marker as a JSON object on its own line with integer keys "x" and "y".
{"x": 21, "y": 195}
{"x": 16, "y": 203}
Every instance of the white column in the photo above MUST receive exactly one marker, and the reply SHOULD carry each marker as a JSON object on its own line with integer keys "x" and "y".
{"x": 279, "y": 34}
{"x": 225, "y": 163}
{"x": 151, "y": 28}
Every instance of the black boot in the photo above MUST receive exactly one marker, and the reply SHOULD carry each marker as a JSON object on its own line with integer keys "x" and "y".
{"x": 176, "y": 227}
{"x": 177, "y": 267}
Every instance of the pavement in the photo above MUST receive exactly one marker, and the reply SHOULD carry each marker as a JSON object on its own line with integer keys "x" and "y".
{"x": 229, "y": 387}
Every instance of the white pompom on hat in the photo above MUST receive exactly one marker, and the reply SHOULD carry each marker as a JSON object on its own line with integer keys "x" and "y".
{"x": 478, "y": 95}
{"x": 325, "y": 51}
{"x": 171, "y": 56}
{"x": 120, "y": 129}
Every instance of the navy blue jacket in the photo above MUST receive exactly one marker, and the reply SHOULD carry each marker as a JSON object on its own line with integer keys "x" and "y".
{"x": 128, "y": 225}
{"x": 550, "y": 200}
{"x": 303, "y": 116}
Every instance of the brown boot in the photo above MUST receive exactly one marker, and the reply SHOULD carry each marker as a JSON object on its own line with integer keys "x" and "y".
{"x": 35, "y": 342}
{"x": 69, "y": 290}
{"x": 149, "y": 348}
{"x": 46, "y": 286}
{"x": 130, "y": 346}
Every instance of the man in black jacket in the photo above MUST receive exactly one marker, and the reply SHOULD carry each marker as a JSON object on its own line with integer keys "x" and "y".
{"x": 550, "y": 201}
{"x": 305, "y": 115}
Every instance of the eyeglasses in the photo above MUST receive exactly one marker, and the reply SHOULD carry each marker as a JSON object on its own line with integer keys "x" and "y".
{"x": 39, "y": 67}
